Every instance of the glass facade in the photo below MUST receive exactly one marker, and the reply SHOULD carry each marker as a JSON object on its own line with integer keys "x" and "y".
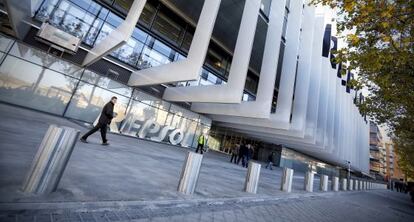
{"x": 36, "y": 80}
{"x": 160, "y": 37}
{"x": 303, "y": 163}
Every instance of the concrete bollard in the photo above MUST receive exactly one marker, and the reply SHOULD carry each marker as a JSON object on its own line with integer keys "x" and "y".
{"x": 355, "y": 184}
{"x": 287, "y": 178}
{"x": 309, "y": 181}
{"x": 50, "y": 160}
{"x": 324, "y": 183}
{"x": 335, "y": 184}
{"x": 252, "y": 177}
{"x": 351, "y": 185}
{"x": 344, "y": 184}
{"x": 189, "y": 173}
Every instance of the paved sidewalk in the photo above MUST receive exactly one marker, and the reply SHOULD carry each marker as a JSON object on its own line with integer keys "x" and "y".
{"x": 374, "y": 205}
{"x": 128, "y": 169}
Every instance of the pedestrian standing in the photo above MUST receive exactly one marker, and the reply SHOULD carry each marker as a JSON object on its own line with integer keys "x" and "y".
{"x": 249, "y": 154}
{"x": 234, "y": 153}
{"x": 201, "y": 142}
{"x": 242, "y": 154}
{"x": 105, "y": 119}
{"x": 270, "y": 160}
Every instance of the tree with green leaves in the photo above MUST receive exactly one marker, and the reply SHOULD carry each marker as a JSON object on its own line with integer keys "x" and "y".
{"x": 381, "y": 50}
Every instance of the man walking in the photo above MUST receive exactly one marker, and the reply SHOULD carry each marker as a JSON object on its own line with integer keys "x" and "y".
{"x": 107, "y": 115}
{"x": 201, "y": 142}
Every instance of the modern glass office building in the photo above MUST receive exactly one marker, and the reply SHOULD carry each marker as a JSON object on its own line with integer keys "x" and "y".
{"x": 255, "y": 71}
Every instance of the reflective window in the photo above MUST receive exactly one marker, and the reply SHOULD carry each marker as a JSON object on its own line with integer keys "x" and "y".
{"x": 138, "y": 113}
{"x": 99, "y": 80}
{"x": 168, "y": 28}
{"x": 123, "y": 5}
{"x": 280, "y": 64}
{"x": 251, "y": 83}
{"x": 105, "y": 30}
{"x": 152, "y": 58}
{"x": 129, "y": 53}
{"x": 114, "y": 20}
{"x": 151, "y": 100}
{"x": 45, "y": 60}
{"x": 81, "y": 18}
{"x": 183, "y": 112}
{"x": 147, "y": 15}
{"x": 265, "y": 7}
{"x": 188, "y": 37}
{"x": 5, "y": 43}
{"x": 248, "y": 97}
{"x": 27, "y": 84}
{"x": 88, "y": 100}
{"x": 215, "y": 61}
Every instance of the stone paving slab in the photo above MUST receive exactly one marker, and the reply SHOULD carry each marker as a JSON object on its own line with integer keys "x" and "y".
{"x": 374, "y": 205}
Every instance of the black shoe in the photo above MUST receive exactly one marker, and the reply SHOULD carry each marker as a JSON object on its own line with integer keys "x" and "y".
{"x": 105, "y": 144}
{"x": 83, "y": 140}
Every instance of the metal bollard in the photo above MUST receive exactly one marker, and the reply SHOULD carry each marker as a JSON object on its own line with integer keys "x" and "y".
{"x": 324, "y": 183}
{"x": 252, "y": 177}
{"x": 335, "y": 184}
{"x": 344, "y": 184}
{"x": 309, "y": 181}
{"x": 351, "y": 185}
{"x": 50, "y": 160}
{"x": 287, "y": 178}
{"x": 189, "y": 173}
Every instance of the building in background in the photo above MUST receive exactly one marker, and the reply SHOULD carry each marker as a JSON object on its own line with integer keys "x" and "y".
{"x": 254, "y": 71}
{"x": 391, "y": 169}
{"x": 376, "y": 150}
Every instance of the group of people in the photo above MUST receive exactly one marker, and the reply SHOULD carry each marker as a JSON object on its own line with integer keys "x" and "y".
{"x": 243, "y": 152}
{"x": 400, "y": 186}
{"x": 403, "y": 187}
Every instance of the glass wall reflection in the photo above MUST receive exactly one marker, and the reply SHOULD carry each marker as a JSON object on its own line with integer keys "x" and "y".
{"x": 36, "y": 80}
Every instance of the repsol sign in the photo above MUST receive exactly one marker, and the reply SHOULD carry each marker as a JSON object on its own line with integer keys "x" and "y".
{"x": 149, "y": 129}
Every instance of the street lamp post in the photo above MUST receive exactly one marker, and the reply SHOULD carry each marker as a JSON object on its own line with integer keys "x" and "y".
{"x": 349, "y": 170}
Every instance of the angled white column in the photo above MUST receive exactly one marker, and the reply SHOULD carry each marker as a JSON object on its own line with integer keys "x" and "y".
{"x": 18, "y": 12}
{"x": 117, "y": 37}
{"x": 292, "y": 44}
{"x": 189, "y": 68}
{"x": 260, "y": 108}
{"x": 231, "y": 92}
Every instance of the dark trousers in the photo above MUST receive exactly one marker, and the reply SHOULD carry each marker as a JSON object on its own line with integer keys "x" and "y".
{"x": 200, "y": 146}
{"x": 98, "y": 126}
{"x": 239, "y": 158}
{"x": 244, "y": 161}
{"x": 233, "y": 158}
